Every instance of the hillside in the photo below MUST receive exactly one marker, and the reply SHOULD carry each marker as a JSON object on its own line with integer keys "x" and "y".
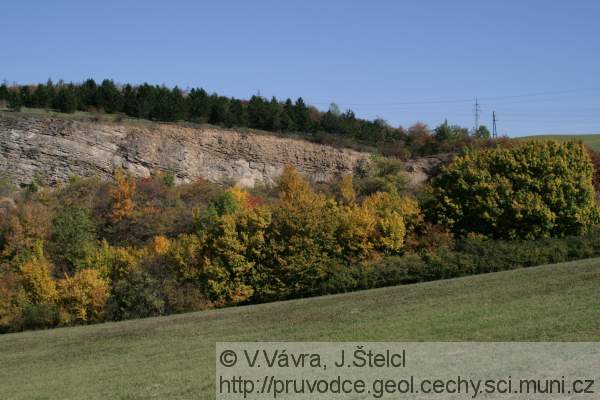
{"x": 173, "y": 357}
{"x": 592, "y": 141}
{"x": 59, "y": 146}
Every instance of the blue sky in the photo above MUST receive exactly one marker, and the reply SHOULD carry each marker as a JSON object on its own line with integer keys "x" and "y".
{"x": 536, "y": 63}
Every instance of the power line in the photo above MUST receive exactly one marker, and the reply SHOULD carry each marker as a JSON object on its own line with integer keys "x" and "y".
{"x": 448, "y": 101}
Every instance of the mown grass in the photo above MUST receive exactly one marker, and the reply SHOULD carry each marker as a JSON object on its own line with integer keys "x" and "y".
{"x": 592, "y": 141}
{"x": 173, "y": 357}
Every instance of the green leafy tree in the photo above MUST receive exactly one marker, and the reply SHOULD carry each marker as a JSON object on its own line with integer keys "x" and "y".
{"x": 73, "y": 234}
{"x": 385, "y": 175}
{"x": 483, "y": 132}
{"x": 534, "y": 189}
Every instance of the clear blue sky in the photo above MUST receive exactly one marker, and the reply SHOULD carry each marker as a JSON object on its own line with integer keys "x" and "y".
{"x": 537, "y": 63}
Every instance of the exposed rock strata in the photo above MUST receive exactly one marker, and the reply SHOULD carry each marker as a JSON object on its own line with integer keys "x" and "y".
{"x": 59, "y": 148}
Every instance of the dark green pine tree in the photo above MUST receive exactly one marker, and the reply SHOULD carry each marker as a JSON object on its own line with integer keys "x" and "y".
{"x": 237, "y": 113}
{"x": 198, "y": 105}
{"x": 109, "y": 97}
{"x": 88, "y": 94}
{"x": 287, "y": 116}
{"x": 301, "y": 117}
{"x": 14, "y": 100}
{"x": 129, "y": 101}
{"x": 178, "y": 105}
{"x": 218, "y": 110}
{"x": 3, "y": 92}
{"x": 66, "y": 99}
{"x": 51, "y": 88}
{"x": 274, "y": 120}
{"x": 257, "y": 117}
{"x": 41, "y": 96}
{"x": 146, "y": 98}
{"x": 25, "y": 95}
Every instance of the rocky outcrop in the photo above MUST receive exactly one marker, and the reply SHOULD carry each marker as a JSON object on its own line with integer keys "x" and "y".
{"x": 59, "y": 148}
{"x": 419, "y": 170}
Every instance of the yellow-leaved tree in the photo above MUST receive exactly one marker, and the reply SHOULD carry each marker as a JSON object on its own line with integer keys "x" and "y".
{"x": 232, "y": 241}
{"x": 36, "y": 276}
{"x": 82, "y": 297}
{"x": 121, "y": 194}
{"x": 301, "y": 244}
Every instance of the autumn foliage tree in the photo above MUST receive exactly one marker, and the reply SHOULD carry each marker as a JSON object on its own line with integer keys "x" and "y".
{"x": 122, "y": 196}
{"x": 82, "y": 297}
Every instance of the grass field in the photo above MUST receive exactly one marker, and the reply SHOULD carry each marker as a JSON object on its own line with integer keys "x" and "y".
{"x": 592, "y": 141}
{"x": 173, "y": 357}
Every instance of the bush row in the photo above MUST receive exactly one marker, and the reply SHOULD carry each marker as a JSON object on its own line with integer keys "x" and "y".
{"x": 469, "y": 257}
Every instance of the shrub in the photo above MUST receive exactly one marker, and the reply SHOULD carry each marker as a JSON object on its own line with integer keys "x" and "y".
{"x": 534, "y": 189}
{"x": 35, "y": 272}
{"x": 25, "y": 227}
{"x": 385, "y": 175}
{"x": 13, "y": 300}
{"x": 73, "y": 234}
{"x": 121, "y": 194}
{"x": 39, "y": 316}
{"x": 135, "y": 294}
{"x": 478, "y": 256}
{"x": 82, "y": 297}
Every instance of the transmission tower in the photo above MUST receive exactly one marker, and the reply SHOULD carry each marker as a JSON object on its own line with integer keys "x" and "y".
{"x": 477, "y": 110}
{"x": 494, "y": 129}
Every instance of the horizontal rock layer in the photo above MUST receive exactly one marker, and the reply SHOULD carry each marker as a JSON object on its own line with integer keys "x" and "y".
{"x": 59, "y": 148}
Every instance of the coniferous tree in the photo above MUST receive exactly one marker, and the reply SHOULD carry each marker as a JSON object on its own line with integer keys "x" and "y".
{"x": 41, "y": 97}
{"x": 287, "y": 118}
{"x": 199, "y": 105}
{"x": 89, "y": 94}
{"x": 3, "y": 92}
{"x": 109, "y": 97}
{"x": 236, "y": 114}
{"x": 179, "y": 105}
{"x": 218, "y": 110}
{"x": 14, "y": 100}
{"x": 274, "y": 115}
{"x": 25, "y": 95}
{"x": 301, "y": 117}
{"x": 66, "y": 99}
{"x": 256, "y": 113}
{"x": 129, "y": 100}
{"x": 51, "y": 88}
{"x": 145, "y": 101}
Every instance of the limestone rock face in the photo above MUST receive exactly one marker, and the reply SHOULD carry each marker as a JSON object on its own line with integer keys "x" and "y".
{"x": 59, "y": 148}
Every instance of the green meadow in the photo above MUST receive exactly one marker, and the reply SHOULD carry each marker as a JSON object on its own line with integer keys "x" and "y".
{"x": 173, "y": 357}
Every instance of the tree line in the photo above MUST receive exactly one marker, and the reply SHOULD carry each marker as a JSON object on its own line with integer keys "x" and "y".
{"x": 91, "y": 251}
{"x": 160, "y": 103}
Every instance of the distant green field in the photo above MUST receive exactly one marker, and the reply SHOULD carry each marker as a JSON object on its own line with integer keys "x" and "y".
{"x": 592, "y": 141}
{"x": 173, "y": 357}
